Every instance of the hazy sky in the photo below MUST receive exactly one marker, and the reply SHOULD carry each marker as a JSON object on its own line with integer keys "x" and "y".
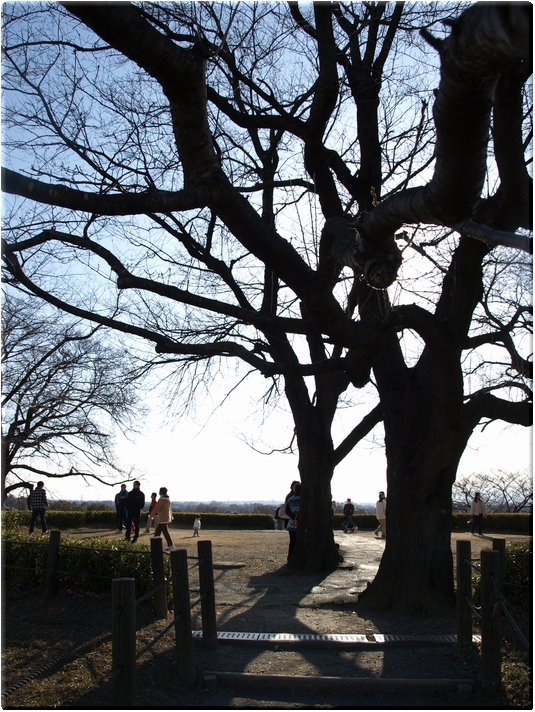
{"x": 214, "y": 463}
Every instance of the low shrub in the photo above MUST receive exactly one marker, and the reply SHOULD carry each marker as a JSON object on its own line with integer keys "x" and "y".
{"x": 90, "y": 564}
{"x": 515, "y": 523}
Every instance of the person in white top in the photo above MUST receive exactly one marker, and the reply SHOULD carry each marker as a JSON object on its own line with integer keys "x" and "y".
{"x": 380, "y": 513}
{"x": 477, "y": 510}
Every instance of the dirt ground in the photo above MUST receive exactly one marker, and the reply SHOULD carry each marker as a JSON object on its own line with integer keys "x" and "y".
{"x": 259, "y": 597}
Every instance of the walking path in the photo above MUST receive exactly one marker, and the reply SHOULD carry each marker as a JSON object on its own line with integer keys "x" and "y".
{"x": 362, "y": 557}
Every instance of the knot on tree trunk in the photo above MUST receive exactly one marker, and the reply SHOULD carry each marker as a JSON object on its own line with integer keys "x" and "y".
{"x": 378, "y": 261}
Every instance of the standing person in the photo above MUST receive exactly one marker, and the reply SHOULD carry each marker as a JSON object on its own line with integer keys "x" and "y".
{"x": 477, "y": 510}
{"x": 134, "y": 504}
{"x": 196, "y": 525}
{"x": 380, "y": 513}
{"x": 349, "y": 510}
{"x": 151, "y": 519}
{"x": 292, "y": 510}
{"x": 39, "y": 505}
{"x": 120, "y": 507}
{"x": 163, "y": 511}
{"x": 291, "y": 492}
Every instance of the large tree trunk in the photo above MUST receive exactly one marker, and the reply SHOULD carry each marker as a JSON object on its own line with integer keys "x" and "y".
{"x": 425, "y": 437}
{"x": 315, "y": 549}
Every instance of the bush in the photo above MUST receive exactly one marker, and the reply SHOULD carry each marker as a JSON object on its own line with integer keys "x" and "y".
{"x": 517, "y": 523}
{"x": 91, "y": 563}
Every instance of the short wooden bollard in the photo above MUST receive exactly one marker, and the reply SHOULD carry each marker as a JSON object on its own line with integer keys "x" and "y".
{"x": 499, "y": 546}
{"x": 52, "y": 563}
{"x": 207, "y": 588}
{"x": 464, "y": 591}
{"x": 182, "y": 614}
{"x": 158, "y": 576}
{"x": 491, "y": 659}
{"x": 123, "y": 646}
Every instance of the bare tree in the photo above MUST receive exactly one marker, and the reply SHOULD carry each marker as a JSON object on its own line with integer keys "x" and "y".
{"x": 243, "y": 173}
{"x": 64, "y": 390}
{"x": 501, "y": 491}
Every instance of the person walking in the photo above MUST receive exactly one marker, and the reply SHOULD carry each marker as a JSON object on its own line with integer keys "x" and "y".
{"x": 134, "y": 504}
{"x": 196, "y": 526}
{"x": 152, "y": 521}
{"x": 349, "y": 510}
{"x": 380, "y": 513}
{"x": 163, "y": 511}
{"x": 477, "y": 510}
{"x": 120, "y": 507}
{"x": 293, "y": 501}
{"x": 39, "y": 505}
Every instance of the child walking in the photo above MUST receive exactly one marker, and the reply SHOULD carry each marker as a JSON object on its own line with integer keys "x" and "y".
{"x": 196, "y": 525}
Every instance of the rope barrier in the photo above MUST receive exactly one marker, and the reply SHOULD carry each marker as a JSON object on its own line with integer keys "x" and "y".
{"x": 499, "y": 601}
{"x": 471, "y": 565}
{"x": 195, "y": 603}
{"x": 158, "y": 637}
{"x": 60, "y": 658}
{"x": 472, "y": 608}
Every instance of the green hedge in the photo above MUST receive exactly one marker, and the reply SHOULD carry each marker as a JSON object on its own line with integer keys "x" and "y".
{"x": 499, "y": 522}
{"x": 496, "y": 522}
{"x": 92, "y": 563}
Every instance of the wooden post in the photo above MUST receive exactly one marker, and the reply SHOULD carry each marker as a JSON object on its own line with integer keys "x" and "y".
{"x": 52, "y": 563}
{"x": 490, "y": 623}
{"x": 206, "y": 585}
{"x": 182, "y": 611}
{"x": 123, "y": 645}
{"x": 499, "y": 546}
{"x": 158, "y": 576}
{"x": 464, "y": 590}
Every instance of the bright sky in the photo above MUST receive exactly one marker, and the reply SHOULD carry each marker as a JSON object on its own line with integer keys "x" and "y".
{"x": 213, "y": 463}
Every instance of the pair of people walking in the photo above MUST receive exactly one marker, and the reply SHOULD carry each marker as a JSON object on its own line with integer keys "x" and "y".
{"x": 129, "y": 506}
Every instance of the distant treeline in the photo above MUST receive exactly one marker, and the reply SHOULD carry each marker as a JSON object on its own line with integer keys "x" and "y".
{"x": 185, "y": 506}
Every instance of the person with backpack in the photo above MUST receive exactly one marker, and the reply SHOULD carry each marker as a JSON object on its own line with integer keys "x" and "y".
{"x": 349, "y": 510}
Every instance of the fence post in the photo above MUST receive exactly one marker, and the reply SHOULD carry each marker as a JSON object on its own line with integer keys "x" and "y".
{"x": 206, "y": 585}
{"x": 52, "y": 563}
{"x": 182, "y": 611}
{"x": 499, "y": 546}
{"x": 464, "y": 590}
{"x": 490, "y": 622}
{"x": 123, "y": 644}
{"x": 158, "y": 576}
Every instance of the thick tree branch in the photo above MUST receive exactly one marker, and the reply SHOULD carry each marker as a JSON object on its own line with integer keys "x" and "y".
{"x": 151, "y": 201}
{"x": 360, "y": 431}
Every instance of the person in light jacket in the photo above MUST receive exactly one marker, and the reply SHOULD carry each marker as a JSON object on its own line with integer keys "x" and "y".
{"x": 477, "y": 510}
{"x": 163, "y": 511}
{"x": 380, "y": 513}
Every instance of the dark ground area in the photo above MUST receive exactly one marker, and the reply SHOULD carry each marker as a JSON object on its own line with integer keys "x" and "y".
{"x": 259, "y": 597}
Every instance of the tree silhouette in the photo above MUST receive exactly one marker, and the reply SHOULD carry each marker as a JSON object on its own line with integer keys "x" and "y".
{"x": 182, "y": 149}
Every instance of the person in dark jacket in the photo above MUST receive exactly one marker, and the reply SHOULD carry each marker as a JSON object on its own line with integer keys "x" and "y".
{"x": 120, "y": 507}
{"x": 292, "y": 510}
{"x": 39, "y": 505}
{"x": 134, "y": 504}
